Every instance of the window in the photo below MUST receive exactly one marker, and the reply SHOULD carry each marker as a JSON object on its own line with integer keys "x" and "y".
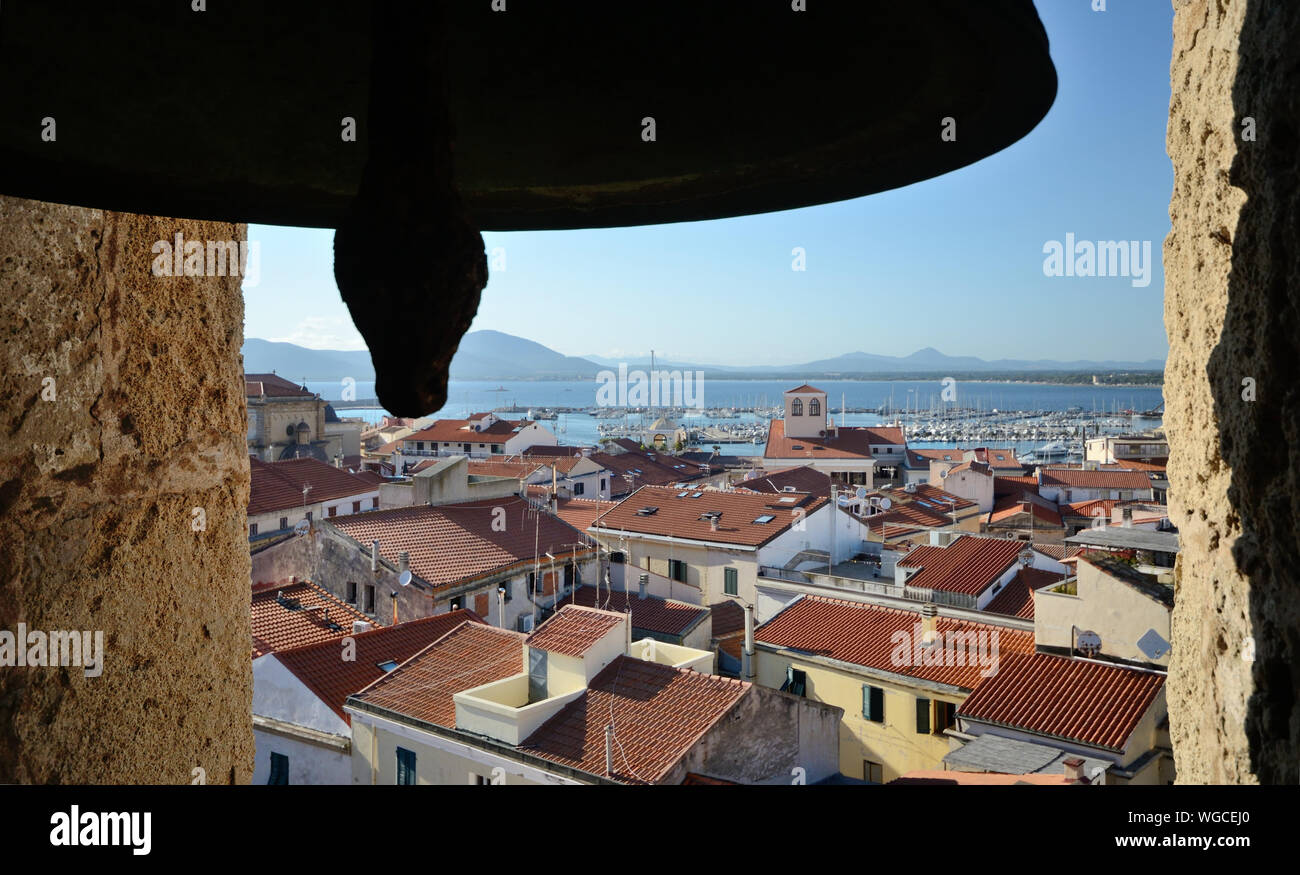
{"x": 419, "y": 445}
{"x": 578, "y": 488}
{"x": 252, "y": 529}
{"x": 387, "y": 665}
{"x": 279, "y": 769}
{"x": 356, "y": 507}
{"x": 284, "y": 523}
{"x": 922, "y": 716}
{"x": 814, "y": 407}
{"x": 677, "y": 570}
{"x": 308, "y": 516}
{"x": 873, "y": 772}
{"x": 764, "y": 519}
{"x": 617, "y": 556}
{"x": 479, "y": 780}
{"x": 370, "y": 598}
{"x": 508, "y": 586}
{"x": 795, "y": 681}
{"x": 570, "y": 574}
{"x": 352, "y": 592}
{"x": 730, "y": 581}
{"x": 945, "y": 716}
{"x": 873, "y": 703}
{"x": 405, "y": 766}
{"x": 532, "y": 582}
{"x": 467, "y": 447}
{"x": 374, "y": 503}
{"x": 796, "y": 407}
{"x": 604, "y": 484}
{"x": 334, "y": 510}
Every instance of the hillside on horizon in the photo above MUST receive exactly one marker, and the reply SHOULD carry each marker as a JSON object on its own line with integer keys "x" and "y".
{"x": 495, "y": 355}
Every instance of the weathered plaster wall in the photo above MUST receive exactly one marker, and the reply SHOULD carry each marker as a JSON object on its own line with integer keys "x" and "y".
{"x": 98, "y": 485}
{"x": 1231, "y": 271}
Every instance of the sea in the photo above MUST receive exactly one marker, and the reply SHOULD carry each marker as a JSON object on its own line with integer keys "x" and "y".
{"x": 581, "y": 429}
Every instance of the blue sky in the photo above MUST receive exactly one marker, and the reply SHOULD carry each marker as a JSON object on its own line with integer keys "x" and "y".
{"x": 954, "y": 262}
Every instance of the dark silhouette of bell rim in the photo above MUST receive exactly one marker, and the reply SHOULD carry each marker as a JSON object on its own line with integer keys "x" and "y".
{"x": 236, "y": 113}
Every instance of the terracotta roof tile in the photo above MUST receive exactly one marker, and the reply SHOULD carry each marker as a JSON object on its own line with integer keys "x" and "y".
{"x": 1077, "y": 479}
{"x": 853, "y": 442}
{"x": 581, "y": 512}
{"x": 1058, "y": 551}
{"x": 968, "y": 565}
{"x": 683, "y": 517}
{"x": 728, "y": 617}
{"x": 803, "y": 479}
{"x": 863, "y": 635}
{"x": 468, "y": 656}
{"x": 658, "y": 713}
{"x": 650, "y": 614}
{"x": 574, "y": 629}
{"x": 450, "y": 543}
{"x": 278, "y": 485}
{"x": 323, "y": 670}
{"x": 458, "y": 431}
{"x": 1076, "y": 700}
{"x": 285, "y": 615}
{"x": 1016, "y": 598}
{"x": 274, "y": 386}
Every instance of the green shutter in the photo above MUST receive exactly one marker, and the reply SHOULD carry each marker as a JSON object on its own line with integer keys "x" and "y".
{"x": 922, "y": 716}
{"x": 873, "y": 703}
{"x": 731, "y": 582}
{"x": 866, "y": 702}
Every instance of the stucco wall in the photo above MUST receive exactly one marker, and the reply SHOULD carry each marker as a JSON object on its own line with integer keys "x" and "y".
{"x": 1232, "y": 260}
{"x": 100, "y": 475}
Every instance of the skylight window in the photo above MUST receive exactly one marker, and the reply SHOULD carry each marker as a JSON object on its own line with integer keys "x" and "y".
{"x": 764, "y": 519}
{"x": 683, "y": 494}
{"x": 711, "y": 515}
{"x": 697, "y": 494}
{"x": 388, "y": 665}
{"x": 647, "y": 511}
{"x": 787, "y": 500}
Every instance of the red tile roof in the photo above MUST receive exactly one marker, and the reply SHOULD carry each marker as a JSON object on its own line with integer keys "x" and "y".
{"x": 1012, "y": 506}
{"x": 728, "y": 618}
{"x": 1073, "y": 477}
{"x": 548, "y": 450}
{"x": 1012, "y": 485}
{"x": 658, "y": 713}
{"x": 468, "y": 656}
{"x": 805, "y": 388}
{"x": 273, "y": 386}
{"x": 574, "y": 630}
{"x": 453, "y": 543}
{"x": 300, "y": 618}
{"x": 853, "y": 442}
{"x": 278, "y": 485}
{"x": 803, "y": 479}
{"x": 998, "y": 459}
{"x": 502, "y": 468}
{"x": 681, "y": 517}
{"x": 458, "y": 431}
{"x": 1058, "y": 551}
{"x": 1077, "y": 700}
{"x": 863, "y": 634}
{"x": 581, "y": 512}
{"x": 322, "y": 669}
{"x": 647, "y": 468}
{"x": 922, "y": 458}
{"x": 968, "y": 565}
{"x": 940, "y": 777}
{"x": 1158, "y": 464}
{"x": 1016, "y": 598}
{"x": 650, "y": 614}
{"x": 1099, "y": 507}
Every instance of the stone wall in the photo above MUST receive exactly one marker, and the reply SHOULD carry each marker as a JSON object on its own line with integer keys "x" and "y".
{"x": 1232, "y": 406}
{"x": 121, "y": 412}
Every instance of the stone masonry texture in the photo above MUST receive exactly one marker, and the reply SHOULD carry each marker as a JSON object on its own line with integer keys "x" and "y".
{"x": 1232, "y": 277}
{"x": 102, "y": 466}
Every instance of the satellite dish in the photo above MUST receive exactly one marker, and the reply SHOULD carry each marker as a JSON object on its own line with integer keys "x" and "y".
{"x": 404, "y": 578}
{"x": 886, "y": 503}
{"x": 1089, "y": 643}
{"x": 861, "y": 492}
{"x": 1153, "y": 644}
{"x": 302, "y": 527}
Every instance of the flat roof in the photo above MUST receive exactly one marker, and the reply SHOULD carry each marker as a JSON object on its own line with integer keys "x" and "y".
{"x": 1134, "y": 539}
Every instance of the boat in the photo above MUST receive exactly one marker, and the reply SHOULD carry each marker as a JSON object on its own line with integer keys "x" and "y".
{"x": 1055, "y": 451}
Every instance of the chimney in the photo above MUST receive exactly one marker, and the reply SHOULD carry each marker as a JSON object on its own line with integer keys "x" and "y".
{"x": 713, "y": 524}
{"x": 929, "y": 623}
{"x": 393, "y": 595}
{"x": 338, "y": 461}
{"x": 374, "y": 555}
{"x": 1127, "y": 518}
{"x": 403, "y": 562}
{"x": 501, "y": 606}
{"x": 359, "y": 626}
{"x": 609, "y": 750}
{"x": 1073, "y": 768}
{"x": 747, "y": 656}
{"x": 642, "y": 583}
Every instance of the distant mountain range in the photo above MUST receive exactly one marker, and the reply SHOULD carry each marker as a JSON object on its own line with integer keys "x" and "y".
{"x": 494, "y": 355}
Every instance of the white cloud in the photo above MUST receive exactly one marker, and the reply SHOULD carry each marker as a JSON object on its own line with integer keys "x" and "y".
{"x": 324, "y": 332}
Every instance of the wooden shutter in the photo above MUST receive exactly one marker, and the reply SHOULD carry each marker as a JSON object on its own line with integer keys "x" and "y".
{"x": 922, "y": 716}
